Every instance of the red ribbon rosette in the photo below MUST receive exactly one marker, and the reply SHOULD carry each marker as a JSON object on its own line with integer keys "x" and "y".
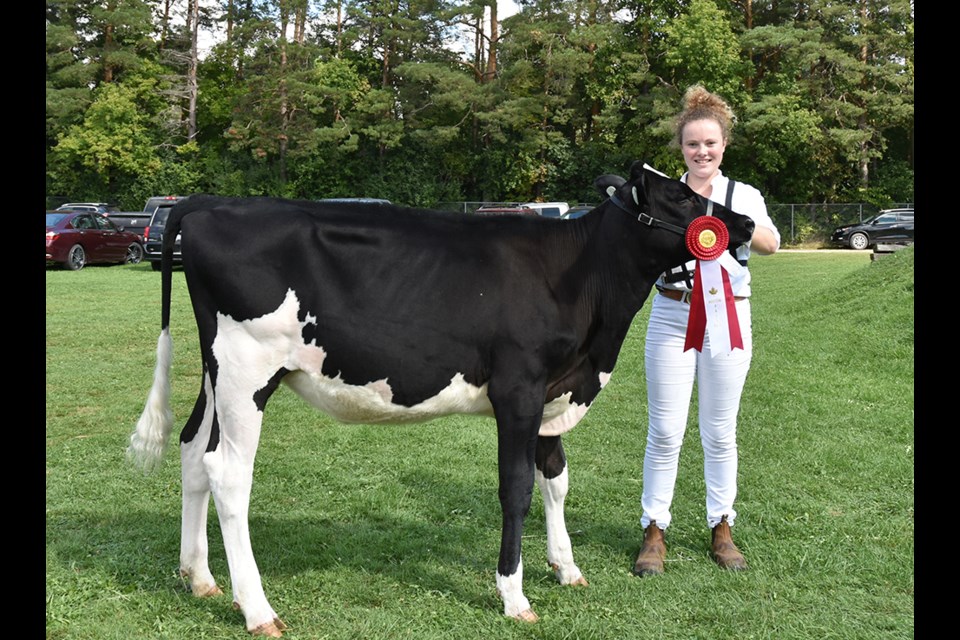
{"x": 707, "y": 238}
{"x": 712, "y": 305}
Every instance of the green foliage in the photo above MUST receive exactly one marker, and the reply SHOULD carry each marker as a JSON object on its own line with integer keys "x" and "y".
{"x": 179, "y": 174}
{"x": 823, "y": 91}
{"x": 701, "y": 48}
{"x": 111, "y": 146}
{"x": 777, "y": 141}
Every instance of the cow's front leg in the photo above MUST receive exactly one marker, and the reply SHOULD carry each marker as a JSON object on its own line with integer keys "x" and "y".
{"x": 518, "y": 420}
{"x": 553, "y": 480}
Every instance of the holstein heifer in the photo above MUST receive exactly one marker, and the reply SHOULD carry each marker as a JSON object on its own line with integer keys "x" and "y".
{"x": 383, "y": 314}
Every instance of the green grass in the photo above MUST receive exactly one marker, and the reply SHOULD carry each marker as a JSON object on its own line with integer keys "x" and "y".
{"x": 393, "y": 532}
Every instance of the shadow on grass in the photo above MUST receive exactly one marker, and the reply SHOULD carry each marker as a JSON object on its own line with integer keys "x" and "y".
{"x": 442, "y": 547}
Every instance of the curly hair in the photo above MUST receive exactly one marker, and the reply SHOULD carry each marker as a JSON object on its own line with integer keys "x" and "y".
{"x": 700, "y": 104}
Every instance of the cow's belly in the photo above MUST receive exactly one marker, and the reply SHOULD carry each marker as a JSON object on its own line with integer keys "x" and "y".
{"x": 254, "y": 350}
{"x": 373, "y": 402}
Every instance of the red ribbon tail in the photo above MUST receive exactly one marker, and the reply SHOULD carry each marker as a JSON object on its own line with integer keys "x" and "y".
{"x": 697, "y": 320}
{"x": 733, "y": 323}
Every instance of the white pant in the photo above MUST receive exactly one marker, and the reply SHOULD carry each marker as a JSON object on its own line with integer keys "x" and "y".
{"x": 670, "y": 376}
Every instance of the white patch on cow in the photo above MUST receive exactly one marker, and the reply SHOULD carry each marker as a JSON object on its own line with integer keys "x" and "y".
{"x": 258, "y": 348}
{"x": 559, "y": 548}
{"x": 659, "y": 173}
{"x": 554, "y": 425}
{"x": 254, "y": 350}
{"x": 560, "y": 415}
{"x": 510, "y": 589}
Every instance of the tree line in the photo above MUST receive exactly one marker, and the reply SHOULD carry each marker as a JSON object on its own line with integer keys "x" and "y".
{"x": 429, "y": 101}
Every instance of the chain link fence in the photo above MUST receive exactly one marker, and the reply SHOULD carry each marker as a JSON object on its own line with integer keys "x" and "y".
{"x": 809, "y": 223}
{"x": 815, "y": 222}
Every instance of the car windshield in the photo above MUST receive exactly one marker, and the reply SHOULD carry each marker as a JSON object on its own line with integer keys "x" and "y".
{"x": 54, "y": 218}
{"x": 160, "y": 217}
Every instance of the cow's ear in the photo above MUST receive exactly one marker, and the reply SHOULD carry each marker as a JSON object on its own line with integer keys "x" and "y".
{"x": 636, "y": 169}
{"x": 608, "y": 183}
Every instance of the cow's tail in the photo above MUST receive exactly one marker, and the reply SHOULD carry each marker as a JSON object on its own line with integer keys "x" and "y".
{"x": 149, "y": 440}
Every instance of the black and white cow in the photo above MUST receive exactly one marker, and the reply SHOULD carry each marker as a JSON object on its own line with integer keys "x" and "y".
{"x": 383, "y": 314}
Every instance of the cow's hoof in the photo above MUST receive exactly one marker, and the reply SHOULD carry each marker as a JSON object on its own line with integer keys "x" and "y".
{"x": 272, "y": 629}
{"x": 564, "y": 577}
{"x": 211, "y": 592}
{"x": 527, "y": 615}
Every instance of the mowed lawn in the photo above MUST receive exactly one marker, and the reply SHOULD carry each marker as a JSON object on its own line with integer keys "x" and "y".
{"x": 385, "y": 532}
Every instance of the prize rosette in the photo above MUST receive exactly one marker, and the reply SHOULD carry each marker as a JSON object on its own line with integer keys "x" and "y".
{"x": 712, "y": 305}
{"x": 707, "y": 238}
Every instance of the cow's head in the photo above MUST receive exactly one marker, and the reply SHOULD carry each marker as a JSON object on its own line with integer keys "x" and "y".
{"x": 668, "y": 206}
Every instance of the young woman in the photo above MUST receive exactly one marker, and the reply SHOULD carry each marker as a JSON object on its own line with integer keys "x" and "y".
{"x": 703, "y": 132}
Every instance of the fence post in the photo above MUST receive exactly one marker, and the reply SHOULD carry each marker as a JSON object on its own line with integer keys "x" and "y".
{"x": 792, "y": 223}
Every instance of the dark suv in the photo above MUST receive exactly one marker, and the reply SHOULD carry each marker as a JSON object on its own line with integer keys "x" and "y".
{"x": 156, "y": 201}
{"x": 153, "y": 237}
{"x": 890, "y": 225}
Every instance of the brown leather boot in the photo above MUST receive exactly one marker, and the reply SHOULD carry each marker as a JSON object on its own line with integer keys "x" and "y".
{"x": 652, "y": 552}
{"x": 723, "y": 550}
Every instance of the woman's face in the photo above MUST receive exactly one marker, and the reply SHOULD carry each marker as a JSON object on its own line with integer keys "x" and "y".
{"x": 703, "y": 145}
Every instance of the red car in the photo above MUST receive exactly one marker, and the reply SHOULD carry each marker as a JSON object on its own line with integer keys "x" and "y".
{"x": 77, "y": 238}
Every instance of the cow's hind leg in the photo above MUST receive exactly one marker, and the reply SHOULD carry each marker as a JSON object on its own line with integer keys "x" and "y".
{"x": 230, "y": 469}
{"x": 196, "y": 496}
{"x": 553, "y": 480}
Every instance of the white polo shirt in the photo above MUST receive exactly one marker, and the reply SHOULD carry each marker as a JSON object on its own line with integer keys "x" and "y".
{"x": 747, "y": 201}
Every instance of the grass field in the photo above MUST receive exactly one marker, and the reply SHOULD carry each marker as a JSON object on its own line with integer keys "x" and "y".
{"x": 392, "y": 532}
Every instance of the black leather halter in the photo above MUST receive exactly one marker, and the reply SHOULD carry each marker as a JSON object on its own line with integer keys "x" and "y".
{"x": 647, "y": 219}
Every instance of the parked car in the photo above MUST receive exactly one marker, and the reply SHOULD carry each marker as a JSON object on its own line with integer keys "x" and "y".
{"x": 575, "y": 212}
{"x": 154, "y": 202}
{"x": 355, "y": 200}
{"x": 153, "y": 237}
{"x": 548, "y": 209}
{"x": 78, "y": 238}
{"x": 507, "y": 210}
{"x": 97, "y": 207}
{"x": 135, "y": 221}
{"x": 890, "y": 225}
{"x": 545, "y": 209}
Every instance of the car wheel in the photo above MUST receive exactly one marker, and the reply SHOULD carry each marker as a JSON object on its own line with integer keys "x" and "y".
{"x": 155, "y": 266}
{"x": 134, "y": 254}
{"x": 76, "y": 258}
{"x": 859, "y": 241}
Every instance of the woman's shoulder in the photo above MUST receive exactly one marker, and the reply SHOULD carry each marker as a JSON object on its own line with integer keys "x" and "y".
{"x": 748, "y": 196}
{"x": 747, "y": 188}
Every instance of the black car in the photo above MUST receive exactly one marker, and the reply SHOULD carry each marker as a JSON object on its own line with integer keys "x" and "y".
{"x": 153, "y": 238}
{"x": 135, "y": 221}
{"x": 890, "y": 225}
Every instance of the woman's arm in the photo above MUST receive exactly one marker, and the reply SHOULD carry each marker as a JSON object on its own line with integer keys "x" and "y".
{"x": 764, "y": 241}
